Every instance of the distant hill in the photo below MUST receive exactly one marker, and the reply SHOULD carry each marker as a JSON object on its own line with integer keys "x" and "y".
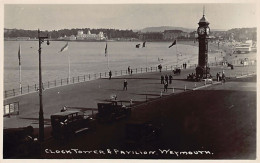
{"x": 163, "y": 28}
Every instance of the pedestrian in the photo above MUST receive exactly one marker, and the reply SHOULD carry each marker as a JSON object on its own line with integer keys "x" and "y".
{"x": 162, "y": 79}
{"x": 131, "y": 71}
{"x": 165, "y": 86}
{"x": 170, "y": 79}
{"x": 185, "y": 65}
{"x": 160, "y": 67}
{"x": 166, "y": 78}
{"x": 128, "y": 70}
{"x": 223, "y": 77}
{"x": 125, "y": 85}
{"x": 110, "y": 74}
{"x": 217, "y": 76}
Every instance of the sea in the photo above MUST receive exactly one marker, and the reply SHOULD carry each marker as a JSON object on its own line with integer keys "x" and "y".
{"x": 89, "y": 58}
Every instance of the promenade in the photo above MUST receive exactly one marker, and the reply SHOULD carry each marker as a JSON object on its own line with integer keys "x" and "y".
{"x": 141, "y": 88}
{"x": 219, "y": 118}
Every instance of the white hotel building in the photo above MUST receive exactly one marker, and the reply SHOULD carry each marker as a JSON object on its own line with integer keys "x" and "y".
{"x": 89, "y": 36}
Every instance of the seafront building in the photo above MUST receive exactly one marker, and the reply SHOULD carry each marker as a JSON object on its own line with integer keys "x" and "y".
{"x": 90, "y": 36}
{"x": 85, "y": 36}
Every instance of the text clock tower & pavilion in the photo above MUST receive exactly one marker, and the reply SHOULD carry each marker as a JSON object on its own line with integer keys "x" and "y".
{"x": 203, "y": 31}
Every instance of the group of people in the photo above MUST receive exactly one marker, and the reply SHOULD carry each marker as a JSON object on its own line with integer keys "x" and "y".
{"x": 165, "y": 80}
{"x": 184, "y": 65}
{"x": 130, "y": 71}
{"x": 191, "y": 76}
{"x": 221, "y": 77}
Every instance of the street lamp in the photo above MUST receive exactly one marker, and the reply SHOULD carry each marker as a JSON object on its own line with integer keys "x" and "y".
{"x": 41, "y": 118}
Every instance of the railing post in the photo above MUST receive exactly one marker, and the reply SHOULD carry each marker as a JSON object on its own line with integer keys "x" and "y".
{"x": 99, "y": 75}
{"x": 121, "y": 72}
{"x": 48, "y": 84}
{"x": 125, "y": 71}
{"x": 89, "y": 76}
{"x": 13, "y": 92}
{"x": 84, "y": 77}
{"x": 171, "y": 67}
{"x": 55, "y": 83}
{"x": 5, "y": 94}
{"x": 151, "y": 69}
{"x": 146, "y": 69}
{"x": 67, "y": 80}
{"x": 35, "y": 87}
{"x": 156, "y": 68}
{"x": 136, "y": 70}
{"x": 73, "y": 80}
{"x": 141, "y": 70}
{"x": 21, "y": 90}
{"x": 61, "y": 82}
{"x": 28, "y": 88}
{"x": 78, "y": 79}
{"x": 105, "y": 74}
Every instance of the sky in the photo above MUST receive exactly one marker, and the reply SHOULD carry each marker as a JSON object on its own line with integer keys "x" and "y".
{"x": 127, "y": 16}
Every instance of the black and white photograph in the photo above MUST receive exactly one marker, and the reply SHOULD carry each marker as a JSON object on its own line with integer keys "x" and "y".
{"x": 130, "y": 81}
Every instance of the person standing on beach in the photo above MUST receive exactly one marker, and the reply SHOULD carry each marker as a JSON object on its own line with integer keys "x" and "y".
{"x": 125, "y": 85}
{"x": 110, "y": 74}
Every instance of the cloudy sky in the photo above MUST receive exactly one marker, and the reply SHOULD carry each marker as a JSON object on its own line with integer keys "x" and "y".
{"x": 127, "y": 16}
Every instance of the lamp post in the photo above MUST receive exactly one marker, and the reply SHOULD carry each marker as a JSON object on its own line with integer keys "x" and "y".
{"x": 41, "y": 118}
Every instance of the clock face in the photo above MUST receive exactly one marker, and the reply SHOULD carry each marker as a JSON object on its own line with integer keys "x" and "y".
{"x": 201, "y": 31}
{"x": 207, "y": 30}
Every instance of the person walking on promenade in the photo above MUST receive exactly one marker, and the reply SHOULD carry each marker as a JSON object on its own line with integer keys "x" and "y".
{"x": 223, "y": 77}
{"x": 125, "y": 85}
{"x": 110, "y": 74}
{"x": 160, "y": 67}
{"x": 217, "y": 76}
{"x": 170, "y": 79}
{"x": 128, "y": 69}
{"x": 162, "y": 79}
{"x": 131, "y": 71}
{"x": 166, "y": 78}
{"x": 165, "y": 86}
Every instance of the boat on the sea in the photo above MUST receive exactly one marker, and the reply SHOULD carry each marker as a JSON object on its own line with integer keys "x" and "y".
{"x": 246, "y": 47}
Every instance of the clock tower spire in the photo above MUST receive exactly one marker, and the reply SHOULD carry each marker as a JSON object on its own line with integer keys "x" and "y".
{"x": 203, "y": 31}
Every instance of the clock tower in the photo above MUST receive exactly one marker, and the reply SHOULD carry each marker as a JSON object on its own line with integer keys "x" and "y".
{"x": 203, "y": 31}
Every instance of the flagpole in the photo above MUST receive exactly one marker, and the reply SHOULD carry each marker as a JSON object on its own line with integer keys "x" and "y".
{"x": 20, "y": 70}
{"x": 106, "y": 54}
{"x": 20, "y": 77}
{"x": 177, "y": 53}
{"x": 69, "y": 65}
{"x": 107, "y": 62}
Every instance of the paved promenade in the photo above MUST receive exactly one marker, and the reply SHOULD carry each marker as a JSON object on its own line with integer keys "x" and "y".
{"x": 141, "y": 87}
